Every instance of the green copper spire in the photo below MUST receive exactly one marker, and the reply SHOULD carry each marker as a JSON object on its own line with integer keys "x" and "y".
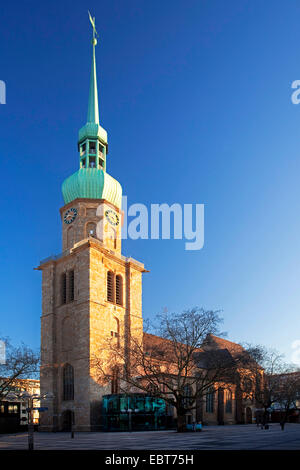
{"x": 91, "y": 180}
{"x": 93, "y": 109}
{"x": 92, "y": 129}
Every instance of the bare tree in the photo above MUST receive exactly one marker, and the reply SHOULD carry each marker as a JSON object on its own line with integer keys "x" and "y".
{"x": 175, "y": 365}
{"x": 262, "y": 381}
{"x": 20, "y": 363}
{"x": 287, "y": 393}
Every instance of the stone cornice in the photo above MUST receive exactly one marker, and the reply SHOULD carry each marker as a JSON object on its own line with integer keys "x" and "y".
{"x": 96, "y": 201}
{"x": 97, "y": 245}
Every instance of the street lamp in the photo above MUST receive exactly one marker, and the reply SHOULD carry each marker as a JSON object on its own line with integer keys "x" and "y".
{"x": 30, "y": 398}
{"x": 72, "y": 409}
{"x": 129, "y": 419}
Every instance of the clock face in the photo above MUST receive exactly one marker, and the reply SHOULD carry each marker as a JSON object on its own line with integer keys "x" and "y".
{"x": 70, "y": 215}
{"x": 112, "y": 217}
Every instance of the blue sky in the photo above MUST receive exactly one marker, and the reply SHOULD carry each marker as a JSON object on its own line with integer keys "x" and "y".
{"x": 196, "y": 99}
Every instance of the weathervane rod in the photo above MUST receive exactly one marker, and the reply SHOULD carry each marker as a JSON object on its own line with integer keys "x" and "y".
{"x": 93, "y": 23}
{"x": 93, "y": 108}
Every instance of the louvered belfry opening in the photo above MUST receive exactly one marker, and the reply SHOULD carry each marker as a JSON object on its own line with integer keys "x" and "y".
{"x": 71, "y": 286}
{"x": 91, "y": 229}
{"x": 64, "y": 288}
{"x": 110, "y": 286}
{"x": 67, "y": 287}
{"x": 68, "y": 382}
{"x": 119, "y": 290}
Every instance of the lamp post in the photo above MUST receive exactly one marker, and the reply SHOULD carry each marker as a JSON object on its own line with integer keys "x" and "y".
{"x": 72, "y": 409}
{"x": 30, "y": 398}
{"x": 129, "y": 419}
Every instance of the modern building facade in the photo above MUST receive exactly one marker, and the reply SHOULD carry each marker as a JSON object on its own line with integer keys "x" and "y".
{"x": 14, "y": 411}
{"x": 135, "y": 412}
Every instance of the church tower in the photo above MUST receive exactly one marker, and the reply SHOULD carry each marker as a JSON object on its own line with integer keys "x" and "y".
{"x": 90, "y": 291}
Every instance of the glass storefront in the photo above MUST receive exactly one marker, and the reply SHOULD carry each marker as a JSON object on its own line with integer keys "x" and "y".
{"x": 135, "y": 412}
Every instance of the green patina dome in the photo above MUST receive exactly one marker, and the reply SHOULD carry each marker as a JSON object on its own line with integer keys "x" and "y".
{"x": 92, "y": 130}
{"x": 91, "y": 180}
{"x": 92, "y": 183}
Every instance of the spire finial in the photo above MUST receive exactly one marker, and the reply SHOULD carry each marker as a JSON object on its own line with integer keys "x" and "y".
{"x": 92, "y": 20}
{"x": 93, "y": 108}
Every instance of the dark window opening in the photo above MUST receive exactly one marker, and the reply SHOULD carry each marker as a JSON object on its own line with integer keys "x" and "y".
{"x": 187, "y": 400}
{"x": 110, "y": 286}
{"x": 92, "y": 162}
{"x": 83, "y": 163}
{"x": 101, "y": 150}
{"x": 71, "y": 286}
{"x": 91, "y": 229}
{"x": 64, "y": 288}
{"x": 210, "y": 402}
{"x": 92, "y": 147}
{"x": 119, "y": 290}
{"x": 83, "y": 148}
{"x": 101, "y": 163}
{"x": 68, "y": 382}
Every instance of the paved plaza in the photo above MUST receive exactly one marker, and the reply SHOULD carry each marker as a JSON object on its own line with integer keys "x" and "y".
{"x": 244, "y": 437}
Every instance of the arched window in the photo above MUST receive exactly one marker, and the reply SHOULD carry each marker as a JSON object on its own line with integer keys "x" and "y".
{"x": 71, "y": 286}
{"x": 90, "y": 229}
{"x": 63, "y": 288}
{"x": 110, "y": 286}
{"x": 210, "y": 401}
{"x": 68, "y": 382}
{"x": 188, "y": 392}
{"x": 119, "y": 290}
{"x": 115, "y": 381}
{"x": 228, "y": 401}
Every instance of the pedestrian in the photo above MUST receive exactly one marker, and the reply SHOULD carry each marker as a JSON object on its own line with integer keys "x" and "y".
{"x": 199, "y": 426}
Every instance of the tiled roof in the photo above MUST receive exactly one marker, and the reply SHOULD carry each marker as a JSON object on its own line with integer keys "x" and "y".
{"x": 153, "y": 343}
{"x": 224, "y": 343}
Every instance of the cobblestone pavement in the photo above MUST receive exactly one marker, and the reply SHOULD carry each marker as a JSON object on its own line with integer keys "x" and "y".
{"x": 212, "y": 437}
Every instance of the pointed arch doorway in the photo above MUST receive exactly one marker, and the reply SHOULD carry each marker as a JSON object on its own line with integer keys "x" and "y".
{"x": 248, "y": 415}
{"x": 67, "y": 420}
